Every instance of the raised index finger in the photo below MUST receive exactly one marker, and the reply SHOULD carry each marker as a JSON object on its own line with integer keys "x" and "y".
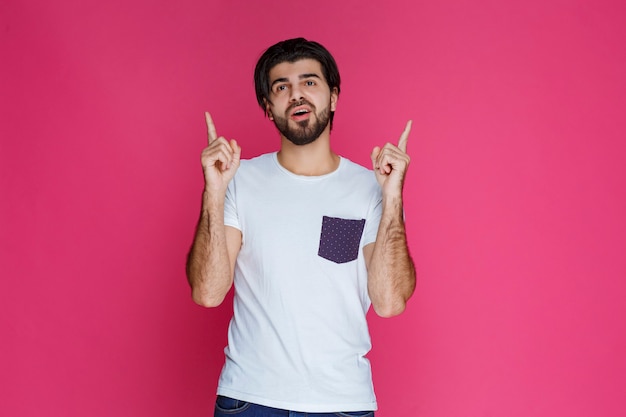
{"x": 210, "y": 127}
{"x": 405, "y": 136}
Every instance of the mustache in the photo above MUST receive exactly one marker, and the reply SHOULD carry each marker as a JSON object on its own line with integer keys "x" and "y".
{"x": 300, "y": 103}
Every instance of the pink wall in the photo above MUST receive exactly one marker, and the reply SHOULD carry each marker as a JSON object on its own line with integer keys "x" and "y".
{"x": 515, "y": 199}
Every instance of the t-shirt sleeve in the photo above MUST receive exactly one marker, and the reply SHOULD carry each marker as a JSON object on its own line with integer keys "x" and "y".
{"x": 230, "y": 207}
{"x": 374, "y": 214}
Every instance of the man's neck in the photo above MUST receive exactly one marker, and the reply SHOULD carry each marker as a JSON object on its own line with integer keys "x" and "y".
{"x": 313, "y": 159}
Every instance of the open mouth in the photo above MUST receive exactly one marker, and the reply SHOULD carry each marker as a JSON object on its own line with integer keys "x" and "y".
{"x": 301, "y": 114}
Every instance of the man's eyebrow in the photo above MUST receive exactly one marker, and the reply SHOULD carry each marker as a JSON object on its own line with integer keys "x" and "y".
{"x": 311, "y": 75}
{"x": 279, "y": 80}
{"x": 301, "y": 77}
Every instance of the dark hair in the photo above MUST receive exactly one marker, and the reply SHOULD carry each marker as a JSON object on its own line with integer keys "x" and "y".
{"x": 292, "y": 50}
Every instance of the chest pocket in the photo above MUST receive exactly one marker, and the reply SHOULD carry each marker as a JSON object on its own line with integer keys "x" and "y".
{"x": 340, "y": 239}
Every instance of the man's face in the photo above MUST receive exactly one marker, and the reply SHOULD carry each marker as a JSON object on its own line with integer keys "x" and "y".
{"x": 301, "y": 100}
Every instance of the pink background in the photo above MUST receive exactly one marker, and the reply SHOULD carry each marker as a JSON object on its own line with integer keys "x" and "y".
{"x": 515, "y": 200}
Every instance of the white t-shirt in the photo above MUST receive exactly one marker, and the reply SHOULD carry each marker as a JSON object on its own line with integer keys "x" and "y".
{"x": 298, "y": 337}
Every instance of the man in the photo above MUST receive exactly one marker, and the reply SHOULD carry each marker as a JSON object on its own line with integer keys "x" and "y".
{"x": 309, "y": 239}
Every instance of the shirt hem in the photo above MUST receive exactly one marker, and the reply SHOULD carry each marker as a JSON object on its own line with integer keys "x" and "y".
{"x": 299, "y": 407}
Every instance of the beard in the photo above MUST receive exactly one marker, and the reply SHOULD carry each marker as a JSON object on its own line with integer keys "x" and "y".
{"x": 307, "y": 131}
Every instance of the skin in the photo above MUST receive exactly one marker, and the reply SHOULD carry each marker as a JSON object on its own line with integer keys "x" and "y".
{"x": 211, "y": 261}
{"x": 290, "y": 84}
{"x": 390, "y": 269}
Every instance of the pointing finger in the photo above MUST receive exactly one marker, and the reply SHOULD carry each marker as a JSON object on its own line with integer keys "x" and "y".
{"x": 405, "y": 136}
{"x": 210, "y": 127}
{"x": 236, "y": 151}
{"x": 374, "y": 156}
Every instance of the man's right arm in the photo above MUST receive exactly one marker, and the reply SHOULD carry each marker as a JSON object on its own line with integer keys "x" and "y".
{"x": 211, "y": 260}
{"x": 212, "y": 257}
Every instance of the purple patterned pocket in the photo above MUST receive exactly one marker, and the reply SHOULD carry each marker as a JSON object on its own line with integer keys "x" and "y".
{"x": 340, "y": 238}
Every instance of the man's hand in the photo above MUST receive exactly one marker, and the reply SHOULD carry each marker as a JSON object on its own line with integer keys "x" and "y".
{"x": 211, "y": 260}
{"x": 220, "y": 159}
{"x": 391, "y": 163}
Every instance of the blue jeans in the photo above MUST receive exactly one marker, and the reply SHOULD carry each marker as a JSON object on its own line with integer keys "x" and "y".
{"x": 229, "y": 407}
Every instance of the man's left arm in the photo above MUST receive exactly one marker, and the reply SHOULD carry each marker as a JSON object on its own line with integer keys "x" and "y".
{"x": 391, "y": 272}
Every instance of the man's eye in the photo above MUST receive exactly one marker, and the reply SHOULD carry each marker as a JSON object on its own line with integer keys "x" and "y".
{"x": 281, "y": 88}
{"x": 310, "y": 83}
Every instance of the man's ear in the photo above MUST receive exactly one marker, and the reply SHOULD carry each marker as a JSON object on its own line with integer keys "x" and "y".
{"x": 334, "y": 97}
{"x": 268, "y": 111}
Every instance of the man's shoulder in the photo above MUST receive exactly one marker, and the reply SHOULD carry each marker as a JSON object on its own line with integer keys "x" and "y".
{"x": 259, "y": 159}
{"x": 257, "y": 163}
{"x": 355, "y": 176}
{"x": 353, "y": 165}
{"x": 353, "y": 168}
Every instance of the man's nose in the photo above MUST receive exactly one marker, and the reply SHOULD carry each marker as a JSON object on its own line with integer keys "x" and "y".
{"x": 296, "y": 94}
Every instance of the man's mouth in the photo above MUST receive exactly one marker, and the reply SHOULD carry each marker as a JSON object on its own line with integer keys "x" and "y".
{"x": 300, "y": 110}
{"x": 300, "y": 114}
